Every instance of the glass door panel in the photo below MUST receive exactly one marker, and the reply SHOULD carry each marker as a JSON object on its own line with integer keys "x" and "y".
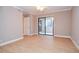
{"x": 42, "y": 26}
{"x": 49, "y": 25}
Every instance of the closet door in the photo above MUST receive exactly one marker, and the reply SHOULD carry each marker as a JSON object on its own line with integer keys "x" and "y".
{"x": 27, "y": 26}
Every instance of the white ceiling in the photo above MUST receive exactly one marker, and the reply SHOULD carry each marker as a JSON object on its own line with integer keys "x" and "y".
{"x": 49, "y": 9}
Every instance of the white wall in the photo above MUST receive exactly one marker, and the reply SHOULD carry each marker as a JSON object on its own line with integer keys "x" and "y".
{"x": 75, "y": 25}
{"x": 10, "y": 24}
{"x": 62, "y": 22}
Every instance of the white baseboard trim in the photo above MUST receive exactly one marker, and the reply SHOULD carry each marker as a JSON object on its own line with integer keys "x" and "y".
{"x": 35, "y": 33}
{"x": 32, "y": 34}
{"x": 76, "y": 45}
{"x": 11, "y": 41}
{"x": 62, "y": 36}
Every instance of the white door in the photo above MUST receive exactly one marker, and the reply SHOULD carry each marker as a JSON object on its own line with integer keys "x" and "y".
{"x": 27, "y": 26}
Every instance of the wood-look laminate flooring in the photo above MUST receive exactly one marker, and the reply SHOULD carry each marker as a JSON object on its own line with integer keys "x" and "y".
{"x": 40, "y": 44}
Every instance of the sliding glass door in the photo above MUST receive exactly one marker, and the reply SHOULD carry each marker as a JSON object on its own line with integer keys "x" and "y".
{"x": 49, "y": 26}
{"x": 41, "y": 26}
{"x": 46, "y": 26}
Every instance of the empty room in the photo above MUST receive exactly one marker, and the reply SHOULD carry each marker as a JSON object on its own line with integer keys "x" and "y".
{"x": 39, "y": 29}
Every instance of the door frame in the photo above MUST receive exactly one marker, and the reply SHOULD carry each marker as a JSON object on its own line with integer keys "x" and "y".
{"x": 45, "y": 26}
